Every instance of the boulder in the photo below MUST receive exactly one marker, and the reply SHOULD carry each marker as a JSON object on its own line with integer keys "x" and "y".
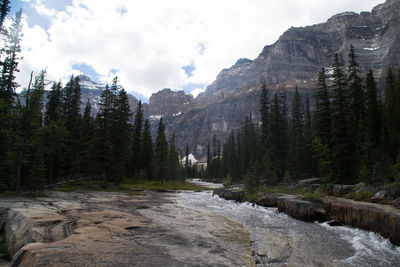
{"x": 396, "y": 203}
{"x": 341, "y": 189}
{"x": 381, "y": 194}
{"x": 298, "y": 209}
{"x": 308, "y": 182}
{"x": 313, "y": 187}
{"x": 382, "y": 219}
{"x": 230, "y": 194}
{"x": 334, "y": 222}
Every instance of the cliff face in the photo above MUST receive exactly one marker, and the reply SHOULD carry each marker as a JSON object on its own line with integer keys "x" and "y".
{"x": 295, "y": 59}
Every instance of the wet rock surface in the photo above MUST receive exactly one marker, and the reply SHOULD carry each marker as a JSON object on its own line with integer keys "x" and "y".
{"x": 180, "y": 229}
{"x": 73, "y": 229}
{"x": 230, "y": 193}
{"x": 382, "y": 219}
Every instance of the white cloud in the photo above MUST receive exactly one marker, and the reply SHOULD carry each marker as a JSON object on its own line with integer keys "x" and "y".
{"x": 149, "y": 42}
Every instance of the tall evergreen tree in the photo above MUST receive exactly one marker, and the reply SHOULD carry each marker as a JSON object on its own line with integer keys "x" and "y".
{"x": 321, "y": 126}
{"x": 55, "y": 132}
{"x": 390, "y": 133}
{"x": 296, "y": 137}
{"x": 12, "y": 48}
{"x": 147, "y": 153}
{"x": 120, "y": 136}
{"x": 136, "y": 141}
{"x": 4, "y": 9}
{"x": 103, "y": 144}
{"x": 264, "y": 113}
{"x": 86, "y": 141}
{"x": 278, "y": 136}
{"x": 30, "y": 152}
{"x": 342, "y": 149}
{"x": 373, "y": 131}
{"x": 356, "y": 108}
{"x": 173, "y": 160}
{"x": 161, "y": 153}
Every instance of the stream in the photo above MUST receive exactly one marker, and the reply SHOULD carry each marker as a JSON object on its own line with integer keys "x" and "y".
{"x": 197, "y": 228}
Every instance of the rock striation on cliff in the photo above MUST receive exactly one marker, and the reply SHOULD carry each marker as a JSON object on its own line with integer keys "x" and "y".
{"x": 294, "y": 59}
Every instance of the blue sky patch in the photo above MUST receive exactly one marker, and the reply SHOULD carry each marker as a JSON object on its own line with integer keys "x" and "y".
{"x": 189, "y": 69}
{"x": 87, "y": 70}
{"x": 191, "y": 86}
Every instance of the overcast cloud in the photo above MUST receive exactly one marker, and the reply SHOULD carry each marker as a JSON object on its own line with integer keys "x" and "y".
{"x": 153, "y": 44}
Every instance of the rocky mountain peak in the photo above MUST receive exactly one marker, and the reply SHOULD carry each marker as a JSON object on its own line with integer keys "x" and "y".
{"x": 168, "y": 103}
{"x": 293, "y": 60}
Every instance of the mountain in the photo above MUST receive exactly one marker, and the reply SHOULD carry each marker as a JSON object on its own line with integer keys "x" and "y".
{"x": 294, "y": 59}
{"x": 91, "y": 90}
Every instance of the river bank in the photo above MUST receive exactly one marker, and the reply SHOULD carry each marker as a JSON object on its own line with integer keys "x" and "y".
{"x": 382, "y": 219}
{"x": 180, "y": 228}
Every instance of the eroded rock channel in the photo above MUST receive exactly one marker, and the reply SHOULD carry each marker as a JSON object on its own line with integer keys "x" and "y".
{"x": 177, "y": 229}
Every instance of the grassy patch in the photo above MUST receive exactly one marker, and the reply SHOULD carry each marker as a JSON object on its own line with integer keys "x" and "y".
{"x": 3, "y": 247}
{"x": 315, "y": 197}
{"x": 130, "y": 187}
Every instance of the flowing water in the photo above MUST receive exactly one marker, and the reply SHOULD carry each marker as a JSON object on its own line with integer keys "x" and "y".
{"x": 197, "y": 228}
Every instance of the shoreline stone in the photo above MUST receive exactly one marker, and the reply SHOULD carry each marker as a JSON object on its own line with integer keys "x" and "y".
{"x": 379, "y": 218}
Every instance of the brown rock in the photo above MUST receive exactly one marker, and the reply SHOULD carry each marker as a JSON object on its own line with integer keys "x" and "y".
{"x": 382, "y": 219}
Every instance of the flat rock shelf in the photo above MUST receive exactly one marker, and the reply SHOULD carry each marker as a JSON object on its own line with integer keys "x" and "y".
{"x": 176, "y": 229}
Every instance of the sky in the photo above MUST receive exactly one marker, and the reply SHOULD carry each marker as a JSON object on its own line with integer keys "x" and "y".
{"x": 153, "y": 44}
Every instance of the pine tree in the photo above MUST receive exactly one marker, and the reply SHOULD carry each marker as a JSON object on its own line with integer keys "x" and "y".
{"x": 373, "y": 130}
{"x": 120, "y": 137}
{"x": 30, "y": 152}
{"x": 321, "y": 128}
{"x": 147, "y": 154}
{"x": 264, "y": 113}
{"x": 71, "y": 110}
{"x": 11, "y": 49}
{"x": 296, "y": 137}
{"x": 356, "y": 108}
{"x": 390, "y": 133}
{"x": 322, "y": 113}
{"x": 136, "y": 141}
{"x": 103, "y": 144}
{"x": 357, "y": 98}
{"x": 9, "y": 142}
{"x": 173, "y": 160}
{"x": 342, "y": 149}
{"x": 161, "y": 153}
{"x": 54, "y": 103}
{"x": 278, "y": 136}
{"x": 86, "y": 141}
{"x": 4, "y": 9}
{"x": 187, "y": 163}
{"x": 55, "y": 132}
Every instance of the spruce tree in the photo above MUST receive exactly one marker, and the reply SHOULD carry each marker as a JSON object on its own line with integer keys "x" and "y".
{"x": 390, "y": 133}
{"x": 146, "y": 152}
{"x": 137, "y": 138}
{"x": 55, "y": 132}
{"x": 161, "y": 153}
{"x": 12, "y": 48}
{"x": 296, "y": 138}
{"x": 278, "y": 136}
{"x": 373, "y": 130}
{"x": 342, "y": 148}
{"x": 86, "y": 141}
{"x": 30, "y": 152}
{"x": 356, "y": 108}
{"x": 120, "y": 137}
{"x": 264, "y": 114}
{"x": 4, "y": 9}
{"x": 173, "y": 160}
{"x": 103, "y": 144}
{"x": 321, "y": 128}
